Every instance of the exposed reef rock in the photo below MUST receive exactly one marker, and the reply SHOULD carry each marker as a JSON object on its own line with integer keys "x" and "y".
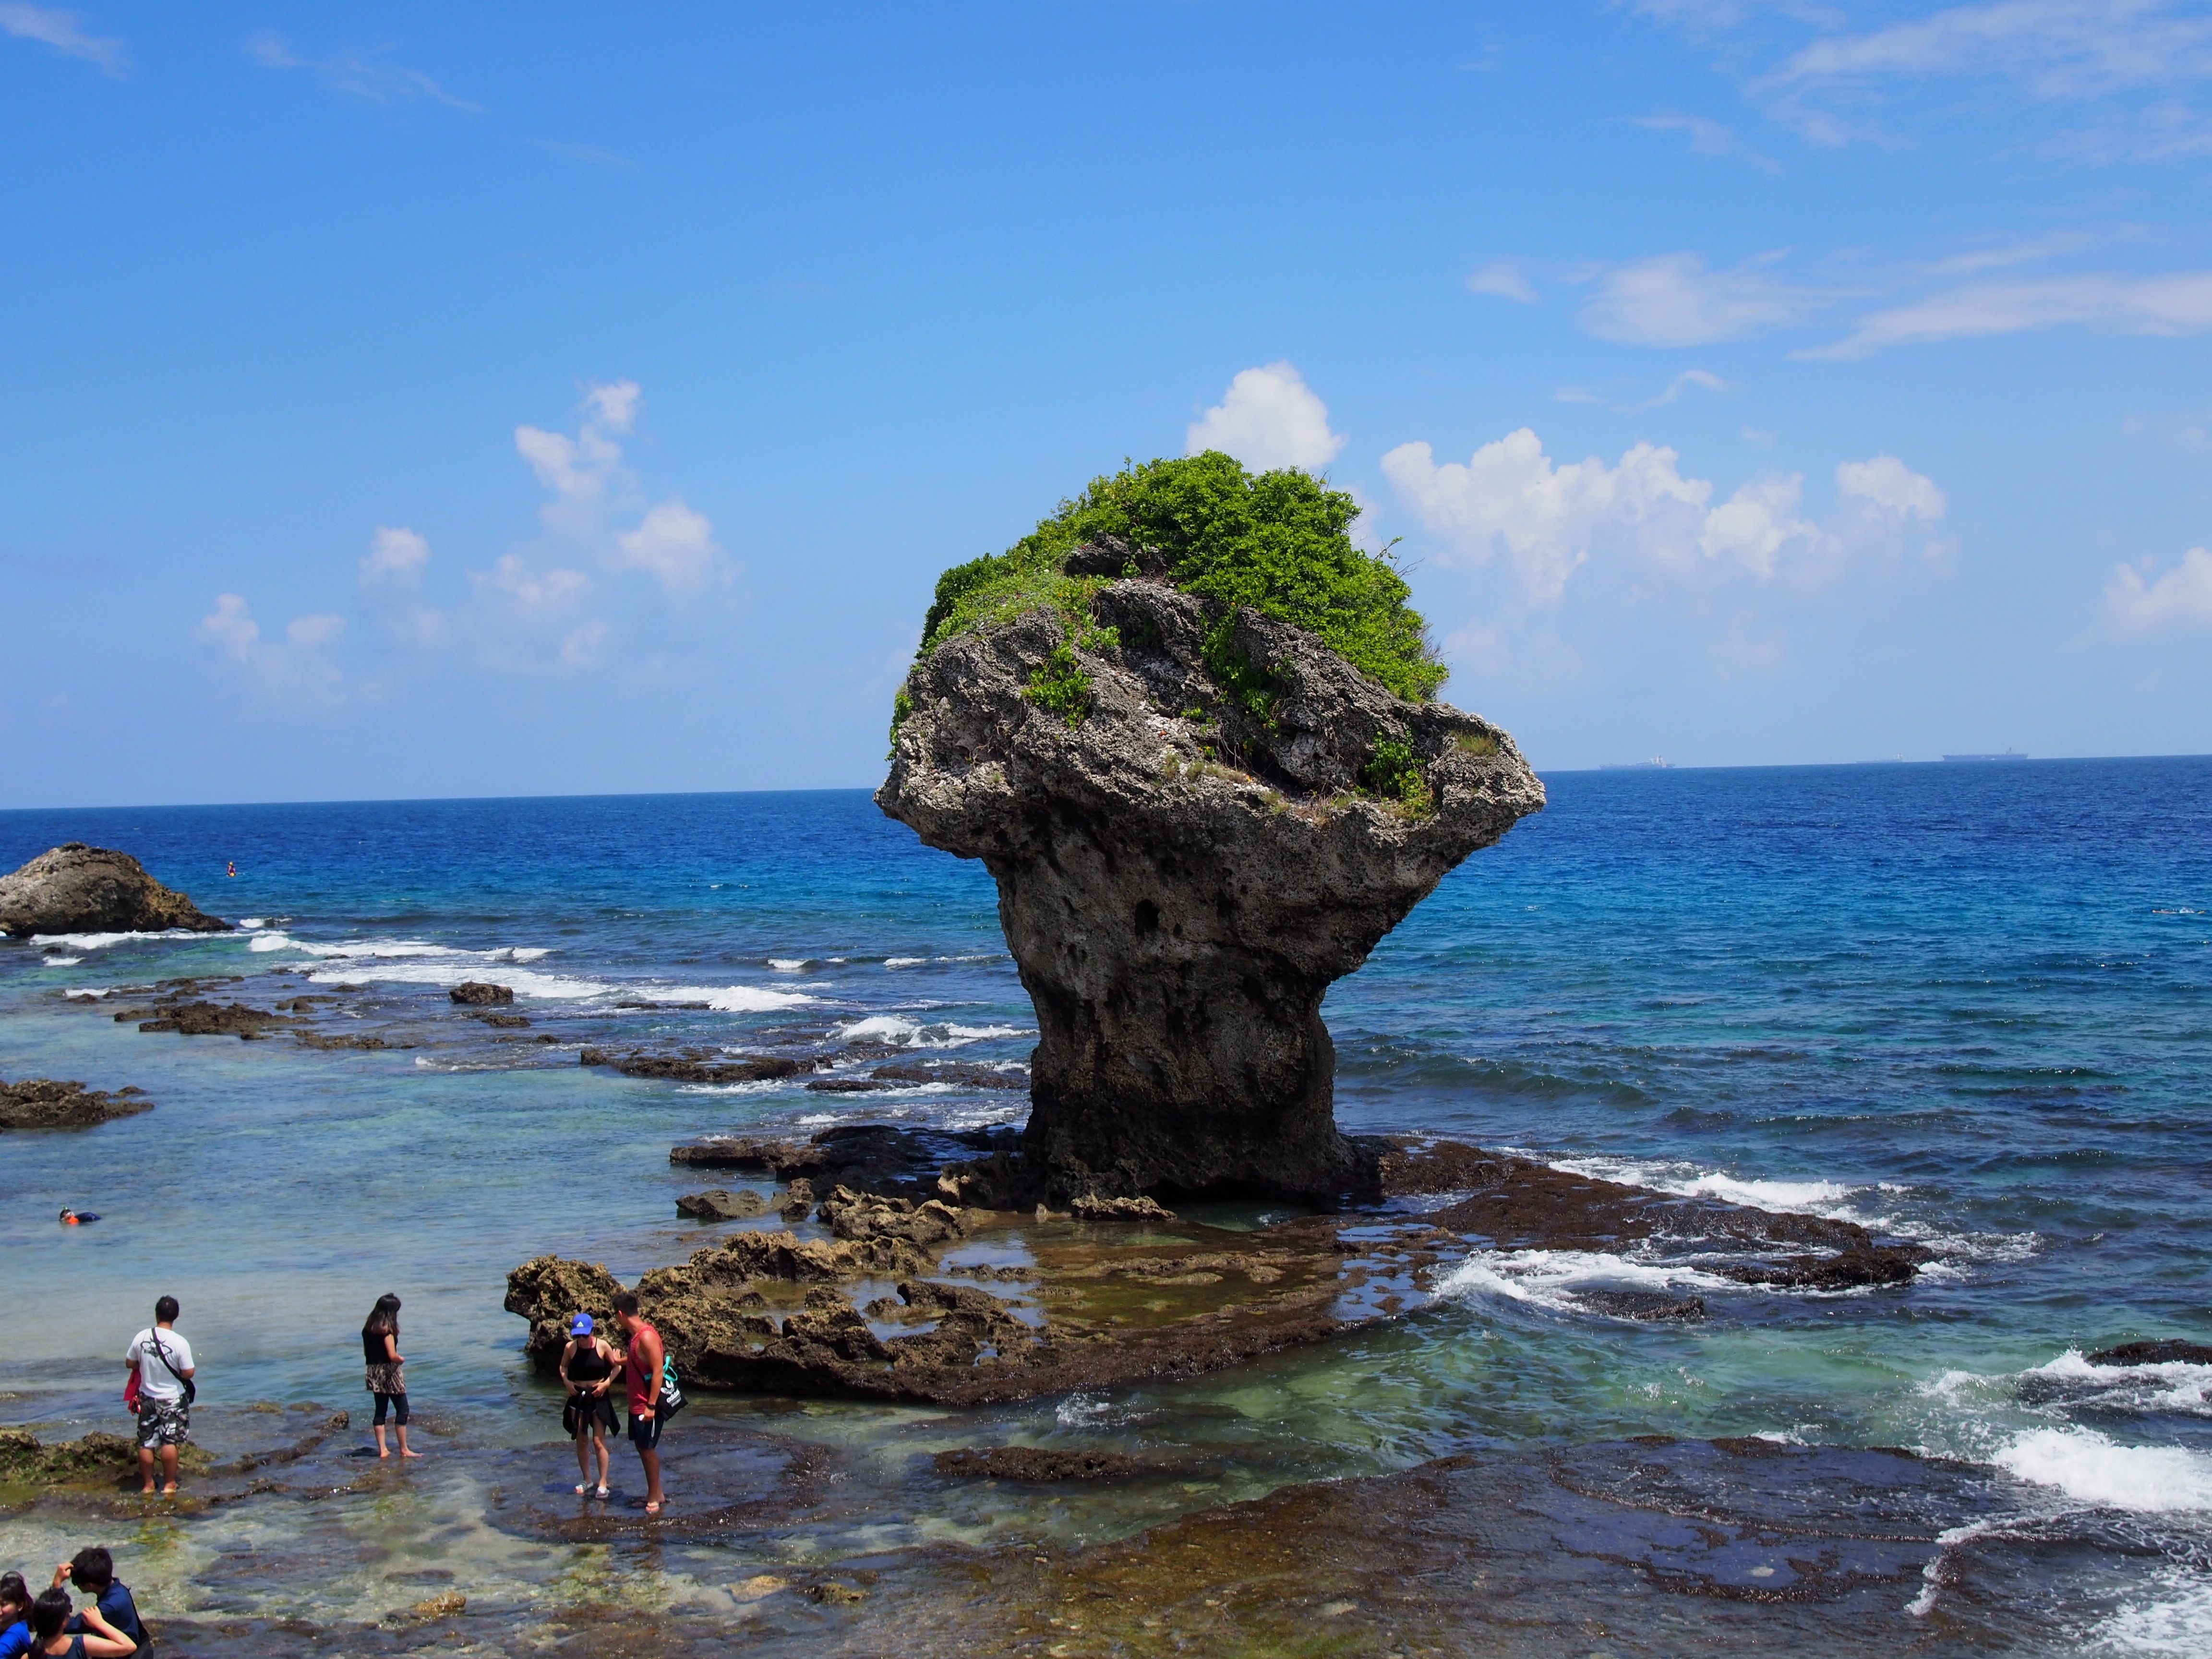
{"x": 40, "y": 1102}
{"x": 697, "y": 1066}
{"x": 722, "y": 1204}
{"x": 77, "y": 888}
{"x": 1183, "y": 870}
{"x": 866, "y": 1303}
{"x": 479, "y": 994}
{"x": 2170, "y": 1351}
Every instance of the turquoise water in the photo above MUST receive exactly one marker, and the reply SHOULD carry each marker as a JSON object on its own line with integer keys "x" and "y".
{"x": 1969, "y": 1006}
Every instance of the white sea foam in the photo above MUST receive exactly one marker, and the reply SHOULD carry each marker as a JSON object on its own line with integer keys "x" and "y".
{"x": 791, "y": 964}
{"x": 902, "y": 1031}
{"x": 254, "y": 922}
{"x": 904, "y": 962}
{"x": 2092, "y": 1468}
{"x": 735, "y": 999}
{"x": 1829, "y": 1198}
{"x": 270, "y": 941}
{"x": 550, "y": 987}
{"x": 2176, "y": 1618}
{"x": 1548, "y": 1278}
{"x": 2174, "y": 1387}
{"x": 89, "y": 991}
{"x": 101, "y": 941}
{"x": 64, "y": 961}
{"x": 523, "y": 952}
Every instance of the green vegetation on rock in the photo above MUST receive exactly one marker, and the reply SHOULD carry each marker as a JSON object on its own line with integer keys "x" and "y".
{"x": 1275, "y": 541}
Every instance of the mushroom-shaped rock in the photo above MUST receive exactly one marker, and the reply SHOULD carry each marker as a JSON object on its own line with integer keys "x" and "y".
{"x": 77, "y": 888}
{"x": 1198, "y": 817}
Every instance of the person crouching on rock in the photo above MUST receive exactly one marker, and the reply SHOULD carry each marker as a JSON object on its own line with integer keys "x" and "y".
{"x": 379, "y": 1348}
{"x": 641, "y": 1380}
{"x": 50, "y": 1615}
{"x": 587, "y": 1370}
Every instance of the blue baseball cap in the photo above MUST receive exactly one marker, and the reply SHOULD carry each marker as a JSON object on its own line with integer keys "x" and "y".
{"x": 581, "y": 1327}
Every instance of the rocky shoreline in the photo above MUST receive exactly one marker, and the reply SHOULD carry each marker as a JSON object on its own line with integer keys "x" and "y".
{"x": 898, "y": 1273}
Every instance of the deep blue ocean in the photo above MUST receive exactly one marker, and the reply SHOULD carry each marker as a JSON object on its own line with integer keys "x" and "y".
{"x": 1968, "y": 1005}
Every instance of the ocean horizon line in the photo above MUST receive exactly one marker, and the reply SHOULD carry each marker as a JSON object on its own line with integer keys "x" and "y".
{"x": 1609, "y": 766}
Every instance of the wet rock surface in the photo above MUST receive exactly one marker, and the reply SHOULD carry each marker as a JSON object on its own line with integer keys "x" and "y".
{"x": 77, "y": 889}
{"x": 874, "y": 1301}
{"x": 1517, "y": 1203}
{"x": 1035, "y": 1463}
{"x": 2170, "y": 1351}
{"x": 478, "y": 994}
{"x": 1181, "y": 878}
{"x": 40, "y": 1102}
{"x": 719, "y": 1204}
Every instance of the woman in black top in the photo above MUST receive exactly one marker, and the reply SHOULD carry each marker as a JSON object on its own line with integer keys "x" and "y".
{"x": 50, "y": 1638}
{"x": 379, "y": 1348}
{"x": 587, "y": 1367}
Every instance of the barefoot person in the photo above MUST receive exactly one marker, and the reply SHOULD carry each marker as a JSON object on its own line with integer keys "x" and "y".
{"x": 163, "y": 1361}
{"x": 587, "y": 1370}
{"x": 641, "y": 1380}
{"x": 51, "y": 1639}
{"x": 380, "y": 1347}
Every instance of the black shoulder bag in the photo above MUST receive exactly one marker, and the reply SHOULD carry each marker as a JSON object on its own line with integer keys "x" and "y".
{"x": 162, "y": 1354}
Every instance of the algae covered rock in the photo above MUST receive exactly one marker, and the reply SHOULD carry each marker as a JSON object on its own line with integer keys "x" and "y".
{"x": 550, "y": 1292}
{"x": 1186, "y": 867}
{"x": 41, "y": 1103}
{"x": 77, "y": 888}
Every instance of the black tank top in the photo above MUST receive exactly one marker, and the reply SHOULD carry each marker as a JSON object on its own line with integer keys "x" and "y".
{"x": 371, "y": 1347}
{"x": 589, "y": 1365}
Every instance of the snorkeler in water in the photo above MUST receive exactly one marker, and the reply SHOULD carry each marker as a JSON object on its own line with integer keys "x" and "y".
{"x": 72, "y": 1219}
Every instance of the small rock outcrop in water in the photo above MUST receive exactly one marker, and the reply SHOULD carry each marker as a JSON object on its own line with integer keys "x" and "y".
{"x": 1180, "y": 879}
{"x": 77, "y": 888}
{"x": 477, "y": 994}
{"x": 40, "y": 1102}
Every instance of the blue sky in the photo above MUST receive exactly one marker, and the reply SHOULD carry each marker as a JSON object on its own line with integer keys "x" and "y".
{"x": 431, "y": 401}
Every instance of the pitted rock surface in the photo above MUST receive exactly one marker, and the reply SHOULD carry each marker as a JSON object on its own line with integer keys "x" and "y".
{"x": 1179, "y": 880}
{"x": 77, "y": 888}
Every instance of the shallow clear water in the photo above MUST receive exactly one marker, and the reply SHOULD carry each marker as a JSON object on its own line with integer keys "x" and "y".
{"x": 1971, "y": 1005}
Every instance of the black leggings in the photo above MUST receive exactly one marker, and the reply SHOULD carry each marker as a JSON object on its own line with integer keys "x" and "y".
{"x": 397, "y": 1404}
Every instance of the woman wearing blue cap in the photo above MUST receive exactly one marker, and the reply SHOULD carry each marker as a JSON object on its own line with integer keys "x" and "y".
{"x": 588, "y": 1368}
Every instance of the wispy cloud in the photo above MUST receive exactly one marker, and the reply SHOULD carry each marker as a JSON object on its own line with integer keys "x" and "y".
{"x": 1690, "y": 378}
{"x": 1503, "y": 279}
{"x": 1676, "y": 300}
{"x": 1709, "y": 138}
{"x": 367, "y": 77}
{"x": 65, "y": 33}
{"x": 2178, "y": 303}
{"x": 1816, "y": 68}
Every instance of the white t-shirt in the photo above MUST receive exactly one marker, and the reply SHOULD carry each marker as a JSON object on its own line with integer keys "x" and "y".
{"x": 154, "y": 1382}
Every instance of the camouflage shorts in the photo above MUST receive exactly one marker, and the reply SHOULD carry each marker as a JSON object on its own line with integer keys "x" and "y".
{"x": 163, "y": 1423}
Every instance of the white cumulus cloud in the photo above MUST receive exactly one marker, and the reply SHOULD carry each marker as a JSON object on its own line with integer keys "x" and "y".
{"x": 674, "y": 545}
{"x": 597, "y": 508}
{"x": 1268, "y": 418}
{"x": 2138, "y": 602}
{"x": 1549, "y": 520}
{"x": 295, "y": 669}
{"x": 395, "y": 553}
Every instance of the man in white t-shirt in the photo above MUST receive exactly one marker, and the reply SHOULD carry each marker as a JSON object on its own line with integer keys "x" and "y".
{"x": 163, "y": 1361}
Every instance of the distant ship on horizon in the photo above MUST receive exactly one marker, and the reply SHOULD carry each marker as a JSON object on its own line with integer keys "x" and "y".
{"x": 1656, "y": 764}
{"x": 2009, "y": 754}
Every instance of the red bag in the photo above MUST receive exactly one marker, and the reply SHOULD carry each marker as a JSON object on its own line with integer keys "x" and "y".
{"x": 130, "y": 1393}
